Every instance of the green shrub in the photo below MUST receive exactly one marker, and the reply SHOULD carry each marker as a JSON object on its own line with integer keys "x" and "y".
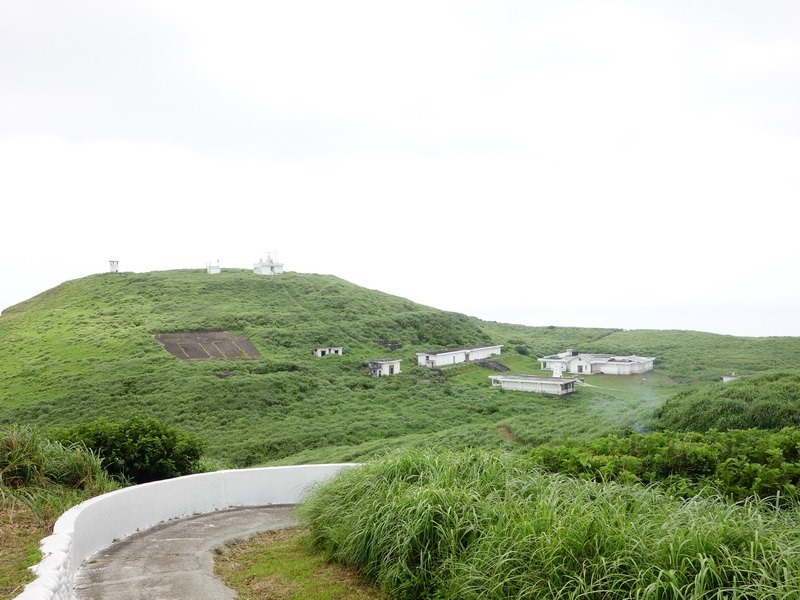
{"x": 768, "y": 401}
{"x": 738, "y": 464}
{"x": 139, "y": 450}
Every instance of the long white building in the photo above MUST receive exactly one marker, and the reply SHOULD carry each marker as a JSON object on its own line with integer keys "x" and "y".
{"x": 558, "y": 386}
{"x": 452, "y": 356}
{"x": 573, "y": 361}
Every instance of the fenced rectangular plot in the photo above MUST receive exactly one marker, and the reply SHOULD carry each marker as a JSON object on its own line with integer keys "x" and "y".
{"x": 206, "y": 345}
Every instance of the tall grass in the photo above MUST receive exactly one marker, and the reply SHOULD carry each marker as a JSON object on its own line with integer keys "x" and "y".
{"x": 45, "y": 475}
{"x": 21, "y": 457}
{"x": 478, "y": 525}
{"x": 39, "y": 480}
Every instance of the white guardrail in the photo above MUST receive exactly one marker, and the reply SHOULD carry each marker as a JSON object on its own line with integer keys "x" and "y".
{"x": 96, "y": 523}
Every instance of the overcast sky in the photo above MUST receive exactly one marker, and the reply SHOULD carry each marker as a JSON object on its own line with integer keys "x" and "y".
{"x": 625, "y": 164}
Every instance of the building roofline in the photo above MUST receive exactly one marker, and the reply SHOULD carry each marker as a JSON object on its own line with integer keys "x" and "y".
{"x": 536, "y": 378}
{"x": 449, "y": 350}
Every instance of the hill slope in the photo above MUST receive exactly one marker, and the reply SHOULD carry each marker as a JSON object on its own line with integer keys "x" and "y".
{"x": 87, "y": 349}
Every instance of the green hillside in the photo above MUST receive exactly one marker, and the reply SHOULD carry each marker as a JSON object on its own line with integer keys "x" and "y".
{"x": 86, "y": 349}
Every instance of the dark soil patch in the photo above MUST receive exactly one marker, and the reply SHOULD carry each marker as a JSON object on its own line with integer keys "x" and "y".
{"x": 493, "y": 365}
{"x": 206, "y": 345}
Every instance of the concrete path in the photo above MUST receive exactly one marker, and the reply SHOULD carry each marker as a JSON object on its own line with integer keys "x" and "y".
{"x": 174, "y": 560}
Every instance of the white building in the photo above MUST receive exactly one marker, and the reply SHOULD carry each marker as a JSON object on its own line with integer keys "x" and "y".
{"x": 558, "y": 386}
{"x": 268, "y": 267}
{"x": 731, "y": 377}
{"x": 573, "y": 361}
{"x": 453, "y": 356}
{"x": 212, "y": 269}
{"x": 113, "y": 266}
{"x": 382, "y": 367}
{"x": 326, "y": 351}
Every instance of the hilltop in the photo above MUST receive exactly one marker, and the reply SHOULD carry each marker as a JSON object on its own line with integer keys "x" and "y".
{"x": 87, "y": 348}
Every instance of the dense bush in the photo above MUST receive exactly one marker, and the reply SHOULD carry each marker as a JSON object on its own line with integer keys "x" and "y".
{"x": 485, "y": 525}
{"x": 139, "y": 450}
{"x": 737, "y": 463}
{"x": 768, "y": 401}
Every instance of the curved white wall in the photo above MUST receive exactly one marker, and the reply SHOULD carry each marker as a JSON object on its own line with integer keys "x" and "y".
{"x": 96, "y": 523}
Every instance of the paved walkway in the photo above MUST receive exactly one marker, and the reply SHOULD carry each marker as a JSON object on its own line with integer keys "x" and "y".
{"x": 174, "y": 560}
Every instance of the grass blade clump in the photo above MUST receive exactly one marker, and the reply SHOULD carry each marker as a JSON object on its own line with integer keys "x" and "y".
{"x": 21, "y": 457}
{"x": 45, "y": 475}
{"x": 486, "y": 525}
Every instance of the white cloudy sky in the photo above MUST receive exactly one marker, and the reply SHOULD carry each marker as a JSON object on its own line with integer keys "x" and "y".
{"x": 627, "y": 164}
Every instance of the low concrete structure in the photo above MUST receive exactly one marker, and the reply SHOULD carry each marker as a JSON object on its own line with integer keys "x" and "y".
{"x": 572, "y": 361}
{"x": 454, "y": 356}
{"x": 558, "y": 386}
{"x": 338, "y": 350}
{"x": 268, "y": 267}
{"x": 731, "y": 377}
{"x": 383, "y": 367}
{"x": 212, "y": 269}
{"x": 96, "y": 523}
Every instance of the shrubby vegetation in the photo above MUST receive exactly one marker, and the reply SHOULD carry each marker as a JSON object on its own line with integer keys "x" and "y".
{"x": 738, "y": 464}
{"x": 766, "y": 401}
{"x": 39, "y": 479}
{"x": 469, "y": 525}
{"x": 139, "y": 450}
{"x": 28, "y": 460}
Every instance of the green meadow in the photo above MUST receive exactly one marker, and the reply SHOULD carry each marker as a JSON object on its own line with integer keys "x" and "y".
{"x": 87, "y": 350}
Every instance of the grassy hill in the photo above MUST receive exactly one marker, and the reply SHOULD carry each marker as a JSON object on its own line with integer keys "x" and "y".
{"x": 86, "y": 349}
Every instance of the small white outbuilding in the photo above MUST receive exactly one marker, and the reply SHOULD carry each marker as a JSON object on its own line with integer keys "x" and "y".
{"x": 382, "y": 367}
{"x": 320, "y": 352}
{"x": 268, "y": 267}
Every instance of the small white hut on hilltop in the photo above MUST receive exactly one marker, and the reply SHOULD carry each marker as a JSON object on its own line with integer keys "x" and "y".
{"x": 268, "y": 267}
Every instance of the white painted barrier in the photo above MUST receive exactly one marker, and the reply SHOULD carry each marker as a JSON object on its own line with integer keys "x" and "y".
{"x": 96, "y": 523}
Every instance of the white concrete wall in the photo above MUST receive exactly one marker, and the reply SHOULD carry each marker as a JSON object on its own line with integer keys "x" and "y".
{"x": 539, "y": 387}
{"x": 96, "y": 523}
{"x": 449, "y": 358}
